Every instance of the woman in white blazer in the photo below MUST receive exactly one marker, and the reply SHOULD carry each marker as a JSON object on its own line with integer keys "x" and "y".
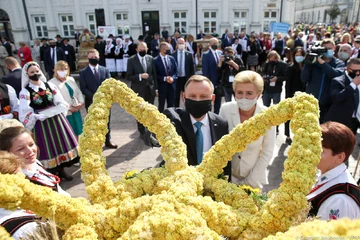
{"x": 249, "y": 167}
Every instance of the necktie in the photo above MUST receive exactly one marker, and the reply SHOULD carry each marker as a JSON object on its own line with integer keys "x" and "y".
{"x": 199, "y": 142}
{"x": 181, "y": 64}
{"x": 54, "y": 56}
{"x": 96, "y": 74}
{"x": 166, "y": 67}
{"x": 143, "y": 64}
{"x": 217, "y": 58}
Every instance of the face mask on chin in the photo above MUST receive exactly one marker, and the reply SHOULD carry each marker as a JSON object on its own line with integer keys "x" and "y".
{"x": 197, "y": 108}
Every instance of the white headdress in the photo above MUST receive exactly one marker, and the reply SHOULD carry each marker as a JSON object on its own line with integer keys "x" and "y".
{"x": 25, "y": 77}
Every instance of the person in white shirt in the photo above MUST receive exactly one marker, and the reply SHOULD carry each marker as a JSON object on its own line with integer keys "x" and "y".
{"x": 249, "y": 167}
{"x": 9, "y": 103}
{"x": 335, "y": 194}
{"x": 356, "y": 50}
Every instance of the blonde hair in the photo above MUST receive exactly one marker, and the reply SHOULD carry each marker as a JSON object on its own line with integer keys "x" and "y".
{"x": 346, "y": 35}
{"x": 61, "y": 65}
{"x": 249, "y": 77}
{"x": 272, "y": 54}
{"x": 93, "y": 51}
{"x": 6, "y": 123}
{"x": 9, "y": 163}
{"x": 199, "y": 78}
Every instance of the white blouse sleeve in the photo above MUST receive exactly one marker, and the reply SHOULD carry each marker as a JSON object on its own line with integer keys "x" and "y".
{"x": 26, "y": 113}
{"x": 14, "y": 103}
{"x": 77, "y": 92}
{"x": 58, "y": 98}
{"x": 339, "y": 206}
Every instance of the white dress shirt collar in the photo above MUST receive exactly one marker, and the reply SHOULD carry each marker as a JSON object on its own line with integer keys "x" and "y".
{"x": 330, "y": 175}
{"x": 204, "y": 121}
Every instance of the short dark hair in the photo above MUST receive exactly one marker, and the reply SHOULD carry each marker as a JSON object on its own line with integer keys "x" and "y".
{"x": 353, "y": 61}
{"x": 338, "y": 138}
{"x": 8, "y": 135}
{"x": 6, "y": 38}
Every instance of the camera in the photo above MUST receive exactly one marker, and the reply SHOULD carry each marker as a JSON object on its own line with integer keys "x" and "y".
{"x": 267, "y": 77}
{"x": 313, "y": 53}
{"x": 228, "y": 58}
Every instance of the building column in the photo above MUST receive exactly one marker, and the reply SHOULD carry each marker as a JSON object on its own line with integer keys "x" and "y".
{"x": 50, "y": 21}
{"x": 225, "y": 17}
{"x": 255, "y": 24}
{"x": 77, "y": 12}
{"x": 165, "y": 16}
{"x": 107, "y": 13}
{"x": 192, "y": 13}
{"x": 135, "y": 23}
{"x": 288, "y": 11}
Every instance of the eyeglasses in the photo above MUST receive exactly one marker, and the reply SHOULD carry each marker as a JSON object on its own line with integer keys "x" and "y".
{"x": 354, "y": 70}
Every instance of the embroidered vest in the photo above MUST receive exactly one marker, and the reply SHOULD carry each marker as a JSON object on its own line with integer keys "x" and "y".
{"x": 42, "y": 99}
{"x": 4, "y": 99}
{"x": 351, "y": 190}
{"x": 13, "y": 224}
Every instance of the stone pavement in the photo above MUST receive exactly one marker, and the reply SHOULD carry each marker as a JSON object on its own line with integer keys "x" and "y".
{"x": 133, "y": 154}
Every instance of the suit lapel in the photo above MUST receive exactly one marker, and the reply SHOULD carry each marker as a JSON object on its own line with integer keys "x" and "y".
{"x": 213, "y": 128}
{"x": 190, "y": 135}
{"x": 235, "y": 118}
{"x": 147, "y": 59}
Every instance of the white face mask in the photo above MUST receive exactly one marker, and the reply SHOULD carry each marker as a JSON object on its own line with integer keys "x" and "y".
{"x": 246, "y": 104}
{"x": 181, "y": 46}
{"x": 61, "y": 74}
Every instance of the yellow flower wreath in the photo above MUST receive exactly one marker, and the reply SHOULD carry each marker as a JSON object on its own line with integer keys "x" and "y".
{"x": 168, "y": 203}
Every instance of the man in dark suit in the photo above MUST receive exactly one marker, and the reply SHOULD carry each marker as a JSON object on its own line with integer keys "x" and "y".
{"x": 185, "y": 64}
{"x": 100, "y": 47}
{"x": 227, "y": 41}
{"x": 69, "y": 53}
{"x": 345, "y": 96}
{"x": 52, "y": 56}
{"x": 77, "y": 35}
{"x": 43, "y": 48}
{"x": 155, "y": 43}
{"x": 166, "y": 69}
{"x": 200, "y": 35}
{"x": 165, "y": 33}
{"x": 6, "y": 44}
{"x": 199, "y": 128}
{"x": 91, "y": 78}
{"x": 210, "y": 69}
{"x": 13, "y": 78}
{"x": 59, "y": 41}
{"x": 175, "y": 39}
{"x": 142, "y": 74}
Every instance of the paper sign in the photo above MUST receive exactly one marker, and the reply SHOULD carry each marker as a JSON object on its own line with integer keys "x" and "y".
{"x": 272, "y": 84}
{"x": 66, "y": 52}
{"x": 231, "y": 78}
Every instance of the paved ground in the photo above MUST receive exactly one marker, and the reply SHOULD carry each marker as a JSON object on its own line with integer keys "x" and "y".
{"x": 133, "y": 154}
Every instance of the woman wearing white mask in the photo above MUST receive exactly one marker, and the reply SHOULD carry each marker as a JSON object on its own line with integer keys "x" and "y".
{"x": 71, "y": 94}
{"x": 249, "y": 167}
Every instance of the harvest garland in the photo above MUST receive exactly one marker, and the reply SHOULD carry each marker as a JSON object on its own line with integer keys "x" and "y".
{"x": 168, "y": 202}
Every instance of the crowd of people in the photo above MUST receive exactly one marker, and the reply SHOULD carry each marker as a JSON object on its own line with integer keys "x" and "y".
{"x": 247, "y": 70}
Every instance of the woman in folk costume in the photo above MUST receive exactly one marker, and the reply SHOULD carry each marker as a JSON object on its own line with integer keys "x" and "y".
{"x": 57, "y": 142}
{"x": 129, "y": 50}
{"x": 110, "y": 56}
{"x": 119, "y": 55}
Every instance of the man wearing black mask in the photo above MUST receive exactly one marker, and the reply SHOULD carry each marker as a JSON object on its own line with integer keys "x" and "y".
{"x": 199, "y": 128}
{"x": 141, "y": 72}
{"x": 52, "y": 56}
{"x": 91, "y": 78}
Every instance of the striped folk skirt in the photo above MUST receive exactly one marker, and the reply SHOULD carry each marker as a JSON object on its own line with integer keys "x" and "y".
{"x": 56, "y": 141}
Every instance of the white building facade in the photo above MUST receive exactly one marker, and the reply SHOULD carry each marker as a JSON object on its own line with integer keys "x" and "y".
{"x": 314, "y": 11}
{"x": 47, "y": 18}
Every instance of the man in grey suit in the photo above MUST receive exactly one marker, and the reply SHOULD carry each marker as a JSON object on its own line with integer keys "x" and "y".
{"x": 91, "y": 78}
{"x": 142, "y": 74}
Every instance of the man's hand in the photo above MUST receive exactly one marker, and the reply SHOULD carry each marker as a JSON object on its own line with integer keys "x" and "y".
{"x": 356, "y": 80}
{"x": 157, "y": 93}
{"x": 169, "y": 80}
{"x": 222, "y": 58}
{"x": 144, "y": 76}
{"x": 320, "y": 60}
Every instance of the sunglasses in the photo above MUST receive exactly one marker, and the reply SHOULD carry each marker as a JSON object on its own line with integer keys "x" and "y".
{"x": 354, "y": 70}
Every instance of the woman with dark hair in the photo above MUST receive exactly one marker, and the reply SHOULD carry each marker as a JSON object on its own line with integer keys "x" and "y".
{"x": 293, "y": 82}
{"x": 19, "y": 141}
{"x": 335, "y": 194}
{"x": 253, "y": 58}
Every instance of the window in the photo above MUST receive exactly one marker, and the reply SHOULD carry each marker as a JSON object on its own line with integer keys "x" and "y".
{"x": 122, "y": 23}
{"x": 240, "y": 21}
{"x": 40, "y": 26}
{"x": 67, "y": 25}
{"x": 180, "y": 21}
{"x": 209, "y": 22}
{"x": 269, "y": 17}
{"x": 91, "y": 22}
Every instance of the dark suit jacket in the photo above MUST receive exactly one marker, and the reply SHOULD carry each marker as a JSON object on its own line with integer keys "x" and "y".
{"x": 49, "y": 65}
{"x": 345, "y": 101}
{"x": 101, "y": 49}
{"x": 43, "y": 49}
{"x": 89, "y": 84}
{"x": 155, "y": 44}
{"x": 161, "y": 72}
{"x": 182, "y": 122}
{"x": 134, "y": 68}
{"x": 13, "y": 79}
{"x": 226, "y": 42}
{"x": 70, "y": 56}
{"x": 189, "y": 63}
{"x": 210, "y": 68}
{"x": 8, "y": 48}
{"x": 173, "y": 43}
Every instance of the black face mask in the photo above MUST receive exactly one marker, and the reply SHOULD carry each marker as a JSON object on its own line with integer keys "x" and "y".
{"x": 94, "y": 61}
{"x": 142, "y": 53}
{"x": 52, "y": 45}
{"x": 214, "y": 47}
{"x": 197, "y": 108}
{"x": 352, "y": 75}
{"x": 35, "y": 77}
{"x": 167, "y": 52}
